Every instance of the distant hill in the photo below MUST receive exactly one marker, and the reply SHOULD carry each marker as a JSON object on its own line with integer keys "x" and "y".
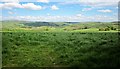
{"x": 116, "y": 22}
{"x": 72, "y": 22}
{"x": 13, "y": 25}
{"x": 53, "y": 24}
{"x": 38, "y": 24}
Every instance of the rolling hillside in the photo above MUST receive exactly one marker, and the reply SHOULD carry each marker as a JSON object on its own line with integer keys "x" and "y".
{"x": 57, "y": 26}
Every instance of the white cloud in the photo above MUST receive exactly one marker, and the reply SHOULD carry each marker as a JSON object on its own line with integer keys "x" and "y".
{"x": 9, "y": 0}
{"x": 93, "y": 3}
{"x": 96, "y": 1}
{"x": 75, "y": 18}
{"x": 1, "y": 5}
{"x": 105, "y": 11}
{"x": 11, "y": 5}
{"x": 100, "y": 2}
{"x": 31, "y": 6}
{"x": 54, "y": 7}
{"x": 0, "y": 20}
{"x": 43, "y": 1}
{"x": 79, "y": 15}
{"x": 86, "y": 9}
{"x": 11, "y": 12}
{"x": 48, "y": 14}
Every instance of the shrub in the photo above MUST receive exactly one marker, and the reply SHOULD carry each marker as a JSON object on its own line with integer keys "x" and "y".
{"x": 46, "y": 29}
{"x": 104, "y": 29}
{"x": 74, "y": 29}
{"x": 107, "y": 29}
{"x": 64, "y": 29}
{"x": 101, "y": 29}
{"x": 112, "y": 28}
{"x": 86, "y": 27}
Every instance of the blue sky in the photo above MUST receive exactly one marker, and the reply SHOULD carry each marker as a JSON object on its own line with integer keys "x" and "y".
{"x": 60, "y": 11}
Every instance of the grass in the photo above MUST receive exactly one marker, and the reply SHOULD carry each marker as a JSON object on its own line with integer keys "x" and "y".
{"x": 64, "y": 45}
{"x": 72, "y": 49}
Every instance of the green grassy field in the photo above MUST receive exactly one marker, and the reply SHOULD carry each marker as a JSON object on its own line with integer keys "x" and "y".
{"x": 60, "y": 49}
{"x": 60, "y": 44}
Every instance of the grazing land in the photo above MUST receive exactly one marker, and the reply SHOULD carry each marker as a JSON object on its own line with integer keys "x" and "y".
{"x": 60, "y": 44}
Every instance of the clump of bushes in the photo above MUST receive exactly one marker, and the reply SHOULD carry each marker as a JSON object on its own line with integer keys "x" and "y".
{"x": 85, "y": 27}
{"x": 112, "y": 28}
{"x": 101, "y": 29}
{"x": 107, "y": 29}
{"x": 46, "y": 29}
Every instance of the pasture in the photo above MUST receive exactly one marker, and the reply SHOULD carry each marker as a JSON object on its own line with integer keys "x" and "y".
{"x": 60, "y": 49}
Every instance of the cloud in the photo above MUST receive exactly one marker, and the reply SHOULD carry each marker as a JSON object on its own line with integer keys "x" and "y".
{"x": 0, "y": 20}
{"x": 75, "y": 18}
{"x": 105, "y": 11}
{"x": 11, "y": 5}
{"x": 96, "y": 1}
{"x": 43, "y": 1}
{"x": 79, "y": 15}
{"x": 116, "y": 7}
{"x": 48, "y": 14}
{"x": 54, "y": 7}
{"x": 31, "y": 6}
{"x": 86, "y": 9}
{"x": 9, "y": 0}
{"x": 101, "y": 4}
{"x": 93, "y": 3}
{"x": 9, "y": 12}
{"x": 1, "y": 5}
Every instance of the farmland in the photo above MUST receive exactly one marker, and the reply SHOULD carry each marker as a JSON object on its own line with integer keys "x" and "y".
{"x": 60, "y": 45}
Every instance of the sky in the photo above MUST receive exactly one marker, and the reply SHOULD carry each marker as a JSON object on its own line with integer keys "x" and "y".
{"x": 60, "y": 10}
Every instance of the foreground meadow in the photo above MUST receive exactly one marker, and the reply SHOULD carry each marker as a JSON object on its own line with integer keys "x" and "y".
{"x": 60, "y": 49}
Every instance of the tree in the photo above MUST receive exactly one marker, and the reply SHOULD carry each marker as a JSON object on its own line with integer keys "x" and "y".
{"x": 107, "y": 29}
{"x": 101, "y": 29}
{"x": 85, "y": 27}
